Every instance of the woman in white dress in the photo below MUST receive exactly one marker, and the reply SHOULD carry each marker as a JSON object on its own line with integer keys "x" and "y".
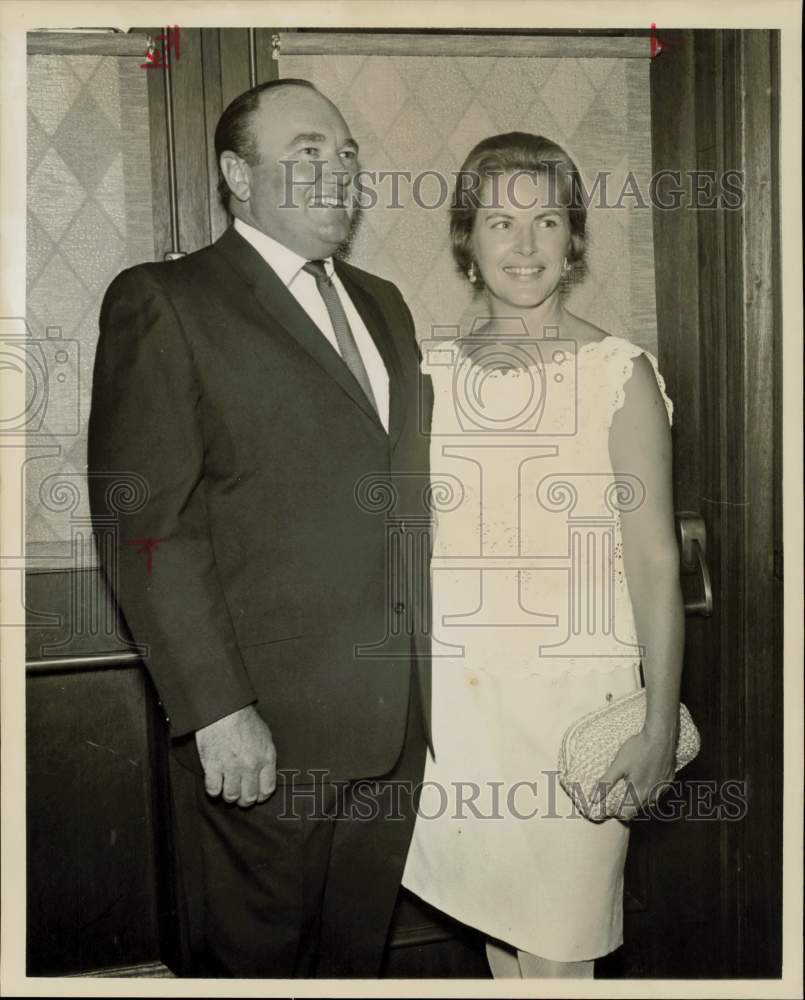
{"x": 555, "y": 577}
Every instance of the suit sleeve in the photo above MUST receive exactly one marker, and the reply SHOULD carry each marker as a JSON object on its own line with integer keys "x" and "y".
{"x": 414, "y": 487}
{"x": 146, "y": 420}
{"x": 422, "y": 406}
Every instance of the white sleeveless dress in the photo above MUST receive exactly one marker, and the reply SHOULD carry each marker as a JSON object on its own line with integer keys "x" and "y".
{"x": 533, "y": 628}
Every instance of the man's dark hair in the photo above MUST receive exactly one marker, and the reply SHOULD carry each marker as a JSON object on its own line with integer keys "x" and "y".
{"x": 234, "y": 130}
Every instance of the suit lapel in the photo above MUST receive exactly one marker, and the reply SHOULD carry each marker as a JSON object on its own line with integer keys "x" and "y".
{"x": 283, "y": 308}
{"x": 375, "y": 321}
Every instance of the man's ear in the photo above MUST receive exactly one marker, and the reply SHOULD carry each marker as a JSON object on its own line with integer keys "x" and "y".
{"x": 237, "y": 173}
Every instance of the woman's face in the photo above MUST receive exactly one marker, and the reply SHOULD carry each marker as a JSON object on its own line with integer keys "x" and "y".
{"x": 520, "y": 238}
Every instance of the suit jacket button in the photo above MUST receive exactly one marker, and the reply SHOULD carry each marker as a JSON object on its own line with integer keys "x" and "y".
{"x": 399, "y": 607}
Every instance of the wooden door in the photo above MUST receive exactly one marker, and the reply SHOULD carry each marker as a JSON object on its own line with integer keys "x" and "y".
{"x": 706, "y": 890}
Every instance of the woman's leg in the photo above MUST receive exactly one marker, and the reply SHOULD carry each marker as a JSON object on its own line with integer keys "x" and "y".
{"x": 506, "y": 963}
{"x": 502, "y": 960}
{"x": 535, "y": 967}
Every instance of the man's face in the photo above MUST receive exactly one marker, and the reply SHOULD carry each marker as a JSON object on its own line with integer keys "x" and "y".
{"x": 301, "y": 185}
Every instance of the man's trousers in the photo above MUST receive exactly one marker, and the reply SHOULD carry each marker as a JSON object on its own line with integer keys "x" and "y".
{"x": 303, "y": 885}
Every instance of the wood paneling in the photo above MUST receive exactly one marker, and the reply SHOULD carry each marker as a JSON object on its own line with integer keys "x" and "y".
{"x": 234, "y": 45}
{"x": 267, "y": 67}
{"x": 715, "y": 909}
{"x": 177, "y": 110}
{"x": 714, "y": 118}
{"x": 187, "y": 81}
{"x": 99, "y": 866}
{"x": 676, "y": 931}
{"x": 759, "y": 908}
{"x": 92, "y": 871}
{"x": 85, "y": 622}
{"x": 427, "y": 944}
{"x": 677, "y": 274}
{"x": 213, "y": 68}
{"x": 213, "y": 106}
{"x": 160, "y": 183}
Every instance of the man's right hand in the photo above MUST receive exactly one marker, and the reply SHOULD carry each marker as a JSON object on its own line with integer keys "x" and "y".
{"x": 238, "y": 757}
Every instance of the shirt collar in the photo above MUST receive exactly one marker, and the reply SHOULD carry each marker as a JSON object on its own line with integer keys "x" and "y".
{"x": 285, "y": 263}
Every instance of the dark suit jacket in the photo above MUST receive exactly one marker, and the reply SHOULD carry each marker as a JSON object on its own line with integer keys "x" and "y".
{"x": 274, "y": 559}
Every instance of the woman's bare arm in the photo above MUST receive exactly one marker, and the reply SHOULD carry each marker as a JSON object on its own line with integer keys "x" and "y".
{"x": 640, "y": 446}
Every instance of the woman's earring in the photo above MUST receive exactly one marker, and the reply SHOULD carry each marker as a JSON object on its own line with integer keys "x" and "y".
{"x": 566, "y": 266}
{"x": 471, "y": 274}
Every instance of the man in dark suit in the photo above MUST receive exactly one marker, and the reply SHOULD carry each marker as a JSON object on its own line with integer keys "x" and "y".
{"x": 269, "y": 395}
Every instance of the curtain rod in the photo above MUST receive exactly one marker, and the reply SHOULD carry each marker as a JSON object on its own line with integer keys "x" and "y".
{"x": 541, "y": 46}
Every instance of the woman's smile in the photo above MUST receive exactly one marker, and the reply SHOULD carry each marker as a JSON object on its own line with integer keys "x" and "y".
{"x": 522, "y": 272}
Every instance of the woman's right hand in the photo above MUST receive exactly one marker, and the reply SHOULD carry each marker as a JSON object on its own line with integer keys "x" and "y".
{"x": 646, "y": 763}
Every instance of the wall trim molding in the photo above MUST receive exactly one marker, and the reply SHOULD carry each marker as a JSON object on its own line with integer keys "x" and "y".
{"x": 148, "y": 970}
{"x": 528, "y": 46}
{"x": 95, "y": 43}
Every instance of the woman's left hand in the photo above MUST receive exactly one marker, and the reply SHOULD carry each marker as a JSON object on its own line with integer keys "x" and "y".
{"x": 646, "y": 763}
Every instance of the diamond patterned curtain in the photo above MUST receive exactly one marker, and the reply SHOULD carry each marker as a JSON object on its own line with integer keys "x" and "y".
{"x": 425, "y": 113}
{"x": 89, "y": 217}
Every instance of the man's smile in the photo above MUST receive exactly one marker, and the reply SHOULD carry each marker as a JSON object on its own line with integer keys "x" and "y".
{"x": 327, "y": 201}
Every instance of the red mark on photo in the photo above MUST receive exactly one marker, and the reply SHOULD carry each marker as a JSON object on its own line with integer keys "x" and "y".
{"x": 660, "y": 44}
{"x": 147, "y": 547}
{"x": 157, "y": 57}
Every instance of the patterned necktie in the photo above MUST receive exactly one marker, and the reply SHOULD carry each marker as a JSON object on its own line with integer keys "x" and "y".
{"x": 343, "y": 335}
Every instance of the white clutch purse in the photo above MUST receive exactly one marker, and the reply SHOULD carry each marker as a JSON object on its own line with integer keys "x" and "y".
{"x": 589, "y": 746}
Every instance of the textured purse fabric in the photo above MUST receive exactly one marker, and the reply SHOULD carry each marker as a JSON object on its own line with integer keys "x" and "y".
{"x": 590, "y": 745}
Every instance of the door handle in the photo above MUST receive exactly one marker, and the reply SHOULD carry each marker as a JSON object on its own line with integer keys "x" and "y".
{"x": 692, "y": 534}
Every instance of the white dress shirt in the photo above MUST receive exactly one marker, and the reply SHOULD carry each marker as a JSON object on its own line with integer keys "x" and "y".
{"x": 288, "y": 265}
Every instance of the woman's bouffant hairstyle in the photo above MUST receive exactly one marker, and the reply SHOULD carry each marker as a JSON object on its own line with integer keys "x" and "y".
{"x": 516, "y": 152}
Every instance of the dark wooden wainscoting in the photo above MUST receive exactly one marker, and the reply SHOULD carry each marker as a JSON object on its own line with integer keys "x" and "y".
{"x": 98, "y": 852}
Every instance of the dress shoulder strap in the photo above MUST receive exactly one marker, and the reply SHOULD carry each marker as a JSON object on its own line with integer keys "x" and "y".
{"x": 619, "y": 355}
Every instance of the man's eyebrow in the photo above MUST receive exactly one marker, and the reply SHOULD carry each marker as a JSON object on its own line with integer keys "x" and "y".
{"x": 307, "y": 137}
{"x": 318, "y": 137}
